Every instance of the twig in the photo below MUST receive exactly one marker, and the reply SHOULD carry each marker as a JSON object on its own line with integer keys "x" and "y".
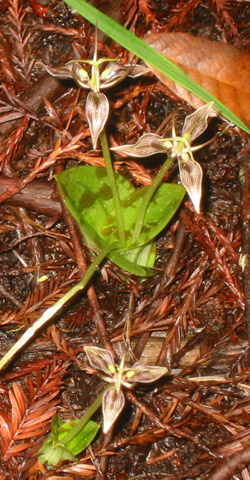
{"x": 10, "y": 296}
{"x": 226, "y": 468}
{"x": 245, "y": 226}
{"x": 40, "y": 196}
{"x": 168, "y": 428}
{"x": 47, "y": 87}
{"x": 82, "y": 265}
{"x": 172, "y": 265}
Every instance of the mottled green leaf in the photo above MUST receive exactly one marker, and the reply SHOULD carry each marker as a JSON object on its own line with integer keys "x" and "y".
{"x": 54, "y": 450}
{"x": 87, "y": 194}
{"x": 82, "y": 439}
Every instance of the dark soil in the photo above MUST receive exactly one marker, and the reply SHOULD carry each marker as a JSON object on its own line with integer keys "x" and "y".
{"x": 190, "y": 317}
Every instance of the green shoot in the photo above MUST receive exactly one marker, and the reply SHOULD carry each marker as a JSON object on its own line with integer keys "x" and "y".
{"x": 70, "y": 438}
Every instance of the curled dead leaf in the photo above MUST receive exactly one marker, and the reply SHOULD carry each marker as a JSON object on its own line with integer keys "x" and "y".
{"x": 218, "y": 67}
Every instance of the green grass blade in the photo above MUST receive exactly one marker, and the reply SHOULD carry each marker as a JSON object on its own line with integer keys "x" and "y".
{"x": 137, "y": 46}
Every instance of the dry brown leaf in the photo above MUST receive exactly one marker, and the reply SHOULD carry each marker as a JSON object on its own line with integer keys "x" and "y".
{"x": 218, "y": 67}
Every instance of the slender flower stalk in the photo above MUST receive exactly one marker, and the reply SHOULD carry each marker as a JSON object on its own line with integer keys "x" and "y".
{"x": 148, "y": 196}
{"x": 84, "y": 420}
{"x": 114, "y": 189}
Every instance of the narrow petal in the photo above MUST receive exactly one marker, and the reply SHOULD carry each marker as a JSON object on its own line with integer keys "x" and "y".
{"x": 114, "y": 73}
{"x": 80, "y": 75}
{"x": 144, "y": 373}
{"x": 196, "y": 123}
{"x": 97, "y": 110}
{"x": 61, "y": 72}
{"x": 100, "y": 359}
{"x": 144, "y": 147}
{"x": 191, "y": 178}
{"x": 138, "y": 70}
{"x": 112, "y": 405}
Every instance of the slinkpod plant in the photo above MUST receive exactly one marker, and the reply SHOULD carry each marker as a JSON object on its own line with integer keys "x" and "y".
{"x": 178, "y": 148}
{"x": 111, "y": 215}
{"x": 119, "y": 376}
{"x": 117, "y": 220}
{"x": 66, "y": 440}
{"x": 105, "y": 204}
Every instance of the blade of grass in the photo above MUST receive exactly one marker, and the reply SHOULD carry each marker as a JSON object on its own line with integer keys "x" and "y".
{"x": 146, "y": 53}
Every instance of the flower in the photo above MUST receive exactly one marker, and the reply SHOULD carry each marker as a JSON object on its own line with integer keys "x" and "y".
{"x": 119, "y": 376}
{"x": 97, "y": 105}
{"x": 178, "y": 147}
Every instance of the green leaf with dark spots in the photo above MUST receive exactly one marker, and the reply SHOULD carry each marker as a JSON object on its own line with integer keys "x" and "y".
{"x": 87, "y": 194}
{"x": 54, "y": 450}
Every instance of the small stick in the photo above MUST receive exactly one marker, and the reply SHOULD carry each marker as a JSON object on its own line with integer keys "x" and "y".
{"x": 46, "y": 87}
{"x": 245, "y": 227}
{"x": 226, "y": 468}
{"x": 91, "y": 293}
{"x": 38, "y": 195}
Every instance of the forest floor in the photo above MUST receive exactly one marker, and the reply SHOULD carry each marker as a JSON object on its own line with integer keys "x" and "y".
{"x": 193, "y": 316}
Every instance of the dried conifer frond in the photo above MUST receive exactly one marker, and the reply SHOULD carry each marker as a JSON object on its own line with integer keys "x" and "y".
{"x": 218, "y": 252}
{"x": 60, "y": 152}
{"x": 80, "y": 468}
{"x": 182, "y": 12}
{"x": 6, "y": 66}
{"x": 143, "y": 7}
{"x": 146, "y": 10}
{"x": 222, "y": 7}
{"x": 28, "y": 415}
{"x": 44, "y": 295}
{"x": 62, "y": 343}
{"x": 172, "y": 342}
{"x": 75, "y": 318}
{"x": 34, "y": 366}
{"x": 71, "y": 32}
{"x": 10, "y": 146}
{"x": 21, "y": 41}
{"x": 13, "y": 100}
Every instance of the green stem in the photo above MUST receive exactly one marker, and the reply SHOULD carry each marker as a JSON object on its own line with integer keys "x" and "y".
{"x": 113, "y": 186}
{"x": 150, "y": 191}
{"x": 83, "y": 420}
{"x": 50, "y": 312}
